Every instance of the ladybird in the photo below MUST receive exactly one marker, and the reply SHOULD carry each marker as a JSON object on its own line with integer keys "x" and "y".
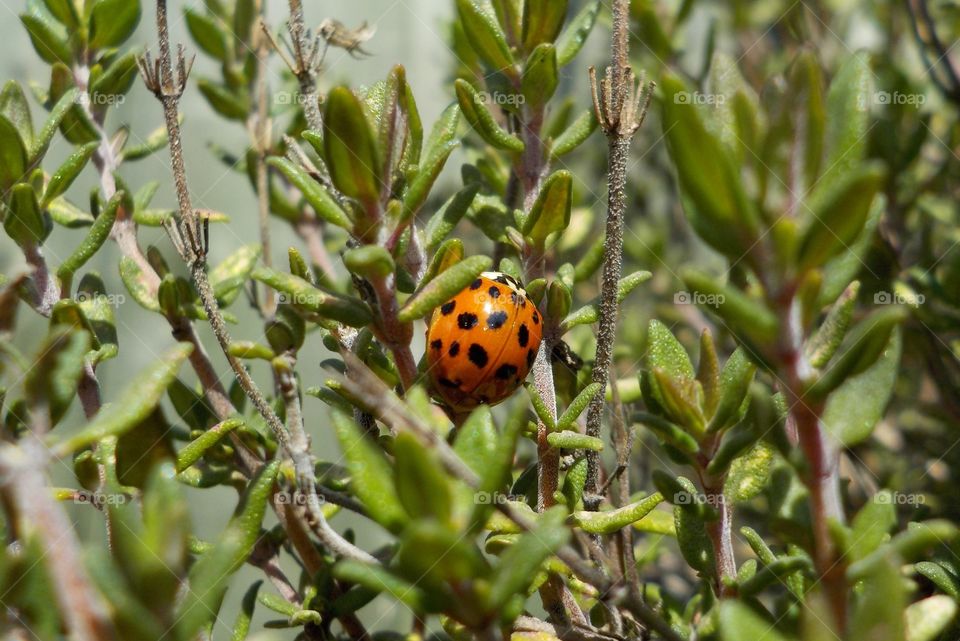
{"x": 482, "y": 342}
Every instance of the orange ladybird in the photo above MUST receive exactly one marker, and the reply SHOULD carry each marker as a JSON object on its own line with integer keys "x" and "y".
{"x": 482, "y": 342}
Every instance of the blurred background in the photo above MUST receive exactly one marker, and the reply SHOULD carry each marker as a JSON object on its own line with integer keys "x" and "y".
{"x": 759, "y": 34}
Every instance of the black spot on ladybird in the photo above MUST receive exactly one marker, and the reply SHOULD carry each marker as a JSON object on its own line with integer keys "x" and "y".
{"x": 514, "y": 298}
{"x": 436, "y": 344}
{"x": 447, "y": 308}
{"x": 494, "y": 291}
{"x": 506, "y": 371}
{"x": 496, "y": 320}
{"x": 531, "y": 355}
{"x": 536, "y": 318}
{"x": 454, "y": 348}
{"x": 477, "y": 355}
{"x": 523, "y": 335}
{"x": 466, "y": 320}
{"x": 476, "y": 284}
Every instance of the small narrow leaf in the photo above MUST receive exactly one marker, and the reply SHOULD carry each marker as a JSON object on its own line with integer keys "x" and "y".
{"x": 136, "y": 402}
{"x": 443, "y": 287}
{"x": 475, "y": 111}
{"x": 615, "y": 520}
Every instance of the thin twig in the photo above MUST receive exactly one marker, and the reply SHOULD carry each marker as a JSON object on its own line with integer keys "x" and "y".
{"x": 160, "y": 81}
{"x": 621, "y": 107}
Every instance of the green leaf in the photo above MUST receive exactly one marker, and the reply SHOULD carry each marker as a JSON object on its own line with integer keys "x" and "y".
{"x": 350, "y": 148}
{"x": 15, "y": 108}
{"x": 378, "y": 579}
{"x": 230, "y": 103}
{"x": 847, "y": 120}
{"x": 48, "y": 38}
{"x": 927, "y": 619}
{"x": 839, "y": 216}
{"x": 539, "y": 80}
{"x": 116, "y": 80}
{"x": 867, "y": 342}
{"x": 64, "y": 176}
{"x": 738, "y": 622}
{"x": 878, "y": 613}
{"x": 449, "y": 215}
{"x": 422, "y": 485}
{"x": 206, "y": 33}
{"x": 872, "y": 524}
{"x": 112, "y": 22}
{"x": 748, "y": 475}
{"x": 241, "y": 625}
{"x": 64, "y": 11}
{"x": 42, "y": 140}
{"x": 314, "y": 193}
{"x": 519, "y": 564}
{"x": 25, "y": 223}
{"x": 577, "y": 405}
{"x": 369, "y": 261}
{"x": 496, "y": 472}
{"x": 442, "y": 141}
{"x": 745, "y": 316}
{"x": 571, "y": 40}
{"x": 940, "y": 576}
{"x": 821, "y": 347}
{"x": 714, "y": 196}
{"x": 195, "y": 449}
{"x": 571, "y": 440}
{"x": 855, "y": 407}
{"x": 735, "y": 379}
{"x": 137, "y": 284}
{"x": 589, "y": 314}
{"x": 476, "y": 440}
{"x": 692, "y": 536}
{"x": 372, "y": 480}
{"x": 574, "y": 135}
{"x": 669, "y": 432}
{"x": 666, "y": 354}
{"x": 474, "y": 109}
{"x": 443, "y": 287}
{"x": 209, "y": 575}
{"x": 55, "y": 373}
{"x": 614, "y": 520}
{"x": 486, "y": 36}
{"x": 774, "y": 573}
{"x": 97, "y": 235}
{"x": 13, "y": 155}
{"x": 133, "y": 406}
{"x": 302, "y": 295}
{"x": 542, "y": 21}
{"x": 231, "y": 274}
{"x": 551, "y": 210}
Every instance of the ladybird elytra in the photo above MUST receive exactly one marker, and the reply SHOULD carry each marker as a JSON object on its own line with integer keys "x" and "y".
{"x": 482, "y": 342}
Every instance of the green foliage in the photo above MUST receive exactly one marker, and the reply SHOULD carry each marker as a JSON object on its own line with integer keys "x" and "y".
{"x": 778, "y": 426}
